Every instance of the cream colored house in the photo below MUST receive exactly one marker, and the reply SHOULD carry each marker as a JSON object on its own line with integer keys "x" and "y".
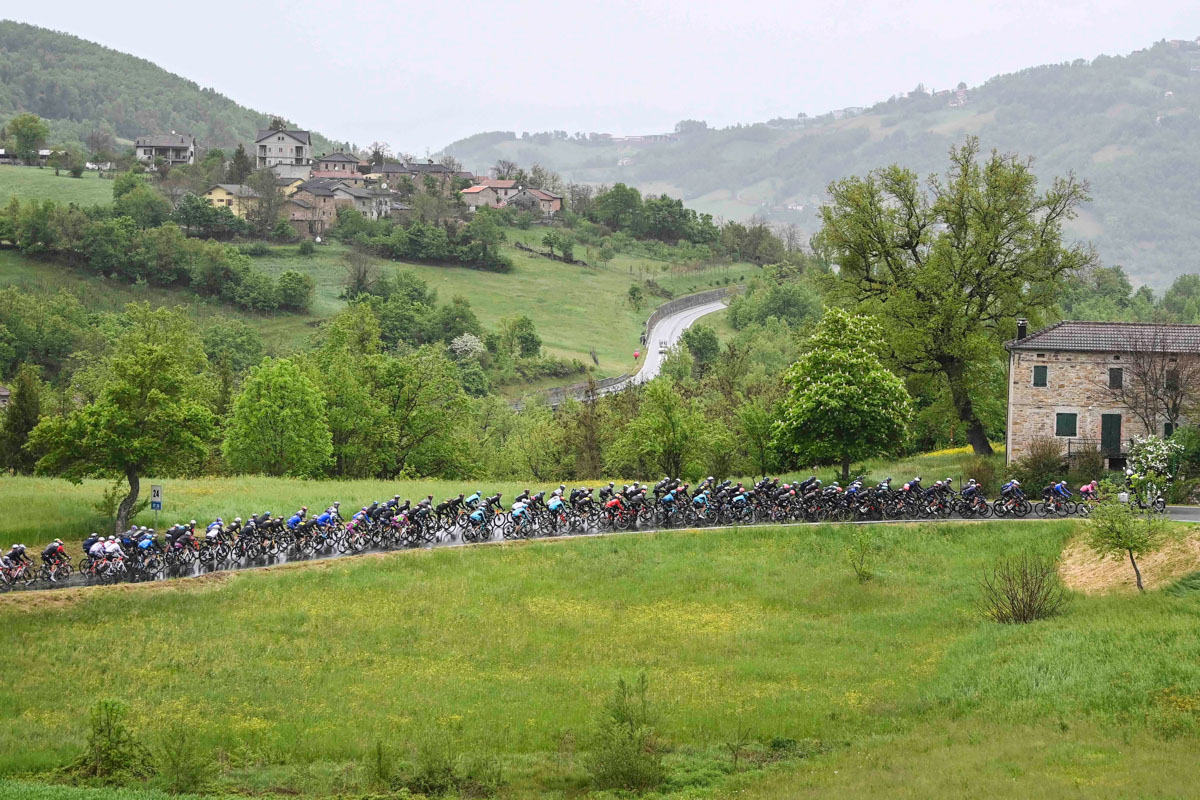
{"x": 237, "y": 197}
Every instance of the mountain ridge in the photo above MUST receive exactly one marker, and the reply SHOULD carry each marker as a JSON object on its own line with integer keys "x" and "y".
{"x": 78, "y": 85}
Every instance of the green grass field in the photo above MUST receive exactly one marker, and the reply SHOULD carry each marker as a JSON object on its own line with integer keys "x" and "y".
{"x": 574, "y": 308}
{"x": 31, "y": 183}
{"x": 897, "y": 687}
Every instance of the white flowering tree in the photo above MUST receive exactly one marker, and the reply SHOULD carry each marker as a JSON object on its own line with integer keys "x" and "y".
{"x": 466, "y": 346}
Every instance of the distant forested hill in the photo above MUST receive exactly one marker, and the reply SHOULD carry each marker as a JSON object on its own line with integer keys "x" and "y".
{"x": 79, "y": 86}
{"x": 1131, "y": 125}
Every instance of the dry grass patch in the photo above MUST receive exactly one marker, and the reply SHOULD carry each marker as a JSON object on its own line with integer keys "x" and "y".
{"x": 1083, "y": 571}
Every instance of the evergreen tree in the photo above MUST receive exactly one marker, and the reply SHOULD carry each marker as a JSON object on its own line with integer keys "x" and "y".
{"x": 21, "y": 417}
{"x": 240, "y": 166}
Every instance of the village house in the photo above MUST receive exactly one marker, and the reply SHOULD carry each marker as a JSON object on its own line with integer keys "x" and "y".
{"x": 173, "y": 148}
{"x": 475, "y": 196}
{"x": 288, "y": 186}
{"x": 548, "y": 203}
{"x": 390, "y": 173}
{"x": 341, "y": 163}
{"x": 503, "y": 189}
{"x": 371, "y": 203}
{"x": 5, "y": 396}
{"x": 283, "y": 148}
{"x": 1079, "y": 383}
{"x": 237, "y": 197}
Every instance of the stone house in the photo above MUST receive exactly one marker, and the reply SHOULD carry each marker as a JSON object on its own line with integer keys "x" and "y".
{"x": 173, "y": 148}
{"x": 503, "y": 189}
{"x": 283, "y": 148}
{"x": 1073, "y": 382}
{"x": 537, "y": 200}
{"x": 5, "y": 396}
{"x": 237, "y": 197}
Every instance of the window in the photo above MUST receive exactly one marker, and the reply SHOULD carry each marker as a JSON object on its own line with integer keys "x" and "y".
{"x": 1168, "y": 429}
{"x": 1064, "y": 424}
{"x": 1116, "y": 378}
{"x": 1172, "y": 380}
{"x": 1039, "y": 376}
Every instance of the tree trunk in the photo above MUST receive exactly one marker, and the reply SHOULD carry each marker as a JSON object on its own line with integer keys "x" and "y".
{"x": 126, "y": 507}
{"x": 845, "y": 470}
{"x": 955, "y": 377}
{"x": 1137, "y": 572}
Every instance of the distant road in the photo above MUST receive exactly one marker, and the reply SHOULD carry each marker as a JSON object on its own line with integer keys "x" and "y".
{"x": 668, "y": 329}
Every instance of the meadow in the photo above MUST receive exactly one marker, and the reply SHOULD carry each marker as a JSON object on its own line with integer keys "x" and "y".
{"x": 54, "y": 508}
{"x": 898, "y": 686}
{"x": 31, "y": 183}
{"x": 577, "y": 310}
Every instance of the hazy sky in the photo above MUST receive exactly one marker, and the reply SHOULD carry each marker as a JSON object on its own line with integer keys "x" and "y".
{"x": 420, "y": 75}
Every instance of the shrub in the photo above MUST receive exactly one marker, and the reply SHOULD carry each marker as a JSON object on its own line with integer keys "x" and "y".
{"x": 1041, "y": 465}
{"x": 255, "y": 249}
{"x": 983, "y": 470}
{"x": 183, "y": 768}
{"x": 307, "y": 248}
{"x": 625, "y": 753}
{"x": 1022, "y": 589}
{"x": 1086, "y": 465}
{"x": 112, "y": 751}
{"x": 77, "y": 171}
{"x": 295, "y": 290}
{"x": 861, "y": 553}
{"x": 435, "y": 770}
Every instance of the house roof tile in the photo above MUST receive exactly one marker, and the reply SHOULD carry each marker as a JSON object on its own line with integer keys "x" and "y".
{"x": 1111, "y": 337}
{"x": 236, "y": 189}
{"x": 164, "y": 140}
{"x": 302, "y": 136}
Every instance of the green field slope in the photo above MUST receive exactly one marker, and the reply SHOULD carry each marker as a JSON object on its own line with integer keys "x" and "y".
{"x": 575, "y": 309}
{"x": 79, "y": 86}
{"x": 896, "y": 687}
{"x": 31, "y": 183}
{"x": 1127, "y": 124}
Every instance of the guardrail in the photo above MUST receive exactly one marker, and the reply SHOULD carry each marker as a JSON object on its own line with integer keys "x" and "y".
{"x": 558, "y": 395}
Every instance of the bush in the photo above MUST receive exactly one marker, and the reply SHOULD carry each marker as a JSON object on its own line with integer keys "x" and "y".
{"x": 307, "y": 248}
{"x": 295, "y": 290}
{"x": 183, "y": 768}
{"x": 625, "y": 753}
{"x": 861, "y": 553}
{"x": 983, "y": 470}
{"x": 1022, "y": 589}
{"x": 112, "y": 750}
{"x": 1042, "y": 464}
{"x": 77, "y": 171}
{"x": 255, "y": 249}
{"x": 1086, "y": 465}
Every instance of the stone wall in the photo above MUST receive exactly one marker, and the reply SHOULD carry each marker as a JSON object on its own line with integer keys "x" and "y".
{"x": 1076, "y": 383}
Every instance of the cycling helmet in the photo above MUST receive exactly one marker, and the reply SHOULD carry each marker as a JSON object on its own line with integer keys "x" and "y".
{"x": 237, "y": 519}
{"x": 1016, "y": 482}
{"x": 112, "y": 538}
{"x": 58, "y": 541}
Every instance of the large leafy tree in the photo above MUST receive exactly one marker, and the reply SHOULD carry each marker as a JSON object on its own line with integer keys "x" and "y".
{"x": 150, "y": 413}
{"x": 667, "y": 435}
{"x": 279, "y": 423}
{"x": 948, "y": 268}
{"x": 842, "y": 404}
{"x": 30, "y": 132}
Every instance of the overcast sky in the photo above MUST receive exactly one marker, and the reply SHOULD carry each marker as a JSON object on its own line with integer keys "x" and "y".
{"x": 422, "y": 75}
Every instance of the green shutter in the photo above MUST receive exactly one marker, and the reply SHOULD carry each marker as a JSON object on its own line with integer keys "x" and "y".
{"x": 1039, "y": 376}
{"x": 1116, "y": 378}
{"x": 1064, "y": 424}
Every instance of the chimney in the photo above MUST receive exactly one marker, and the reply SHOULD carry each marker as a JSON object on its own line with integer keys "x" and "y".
{"x": 1022, "y": 328}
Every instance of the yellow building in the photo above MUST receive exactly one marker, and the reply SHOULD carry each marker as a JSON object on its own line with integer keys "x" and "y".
{"x": 237, "y": 197}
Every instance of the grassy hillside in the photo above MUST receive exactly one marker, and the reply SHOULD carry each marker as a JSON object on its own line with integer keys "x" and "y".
{"x": 79, "y": 86}
{"x": 1127, "y": 124}
{"x": 576, "y": 309}
{"x": 30, "y": 183}
{"x": 898, "y": 686}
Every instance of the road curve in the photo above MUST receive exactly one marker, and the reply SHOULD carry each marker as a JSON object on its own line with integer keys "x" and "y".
{"x": 668, "y": 329}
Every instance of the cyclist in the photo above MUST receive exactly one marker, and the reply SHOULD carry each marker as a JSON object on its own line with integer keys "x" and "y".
{"x": 54, "y": 555}
{"x": 1089, "y": 490}
{"x": 16, "y": 556}
{"x": 89, "y": 541}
